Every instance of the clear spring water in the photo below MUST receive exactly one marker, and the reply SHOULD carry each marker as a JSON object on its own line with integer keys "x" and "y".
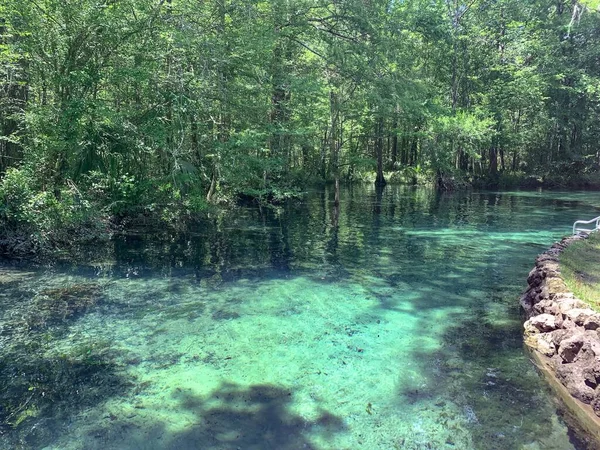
{"x": 391, "y": 324}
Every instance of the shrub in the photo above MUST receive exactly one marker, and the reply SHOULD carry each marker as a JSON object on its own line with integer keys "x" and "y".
{"x": 34, "y": 220}
{"x": 120, "y": 195}
{"x": 16, "y": 193}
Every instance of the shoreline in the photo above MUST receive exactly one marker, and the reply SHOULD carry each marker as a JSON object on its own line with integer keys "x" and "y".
{"x": 562, "y": 334}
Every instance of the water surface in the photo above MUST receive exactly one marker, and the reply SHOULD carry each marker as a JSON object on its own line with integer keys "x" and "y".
{"x": 391, "y": 322}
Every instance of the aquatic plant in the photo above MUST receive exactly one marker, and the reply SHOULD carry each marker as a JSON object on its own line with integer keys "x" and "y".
{"x": 48, "y": 384}
{"x": 57, "y": 304}
{"x": 44, "y": 378}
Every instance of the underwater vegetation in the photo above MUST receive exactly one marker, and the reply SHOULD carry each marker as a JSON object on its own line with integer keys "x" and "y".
{"x": 397, "y": 327}
{"x": 476, "y": 370}
{"x": 58, "y": 304}
{"x": 42, "y": 382}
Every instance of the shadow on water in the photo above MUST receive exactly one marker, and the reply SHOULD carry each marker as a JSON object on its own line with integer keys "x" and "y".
{"x": 233, "y": 417}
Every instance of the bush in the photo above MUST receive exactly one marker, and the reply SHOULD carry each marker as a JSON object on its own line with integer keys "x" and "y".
{"x": 121, "y": 195}
{"x": 34, "y": 220}
{"x": 410, "y": 175}
{"x": 16, "y": 192}
{"x": 508, "y": 180}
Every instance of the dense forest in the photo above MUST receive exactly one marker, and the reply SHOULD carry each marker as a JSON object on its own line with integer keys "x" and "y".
{"x": 158, "y": 108}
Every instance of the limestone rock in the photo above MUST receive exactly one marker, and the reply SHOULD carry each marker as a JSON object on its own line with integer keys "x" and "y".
{"x": 563, "y": 328}
{"x": 546, "y": 306}
{"x": 558, "y": 335}
{"x": 566, "y": 304}
{"x": 591, "y": 374}
{"x": 579, "y": 315}
{"x": 544, "y": 258}
{"x": 556, "y": 285}
{"x": 590, "y": 348}
{"x": 535, "y": 278}
{"x": 592, "y": 322}
{"x": 530, "y": 328}
{"x": 543, "y": 322}
{"x": 572, "y": 377}
{"x": 542, "y": 342}
{"x": 570, "y": 346}
{"x": 596, "y": 402}
{"x": 568, "y": 324}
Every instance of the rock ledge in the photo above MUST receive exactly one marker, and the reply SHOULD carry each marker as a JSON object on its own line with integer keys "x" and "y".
{"x": 563, "y": 328}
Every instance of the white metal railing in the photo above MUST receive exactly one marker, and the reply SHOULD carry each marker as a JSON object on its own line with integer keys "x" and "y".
{"x": 596, "y": 221}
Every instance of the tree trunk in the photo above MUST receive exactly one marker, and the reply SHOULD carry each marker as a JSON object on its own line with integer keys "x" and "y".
{"x": 333, "y": 134}
{"x": 395, "y": 150}
{"x": 213, "y": 187}
{"x": 280, "y": 93}
{"x": 380, "y": 179}
{"x": 493, "y": 160}
{"x": 13, "y": 98}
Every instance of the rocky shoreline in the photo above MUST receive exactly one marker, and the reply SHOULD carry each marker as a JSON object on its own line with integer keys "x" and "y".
{"x": 564, "y": 333}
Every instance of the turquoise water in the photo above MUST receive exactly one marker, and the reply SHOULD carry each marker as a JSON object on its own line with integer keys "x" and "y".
{"x": 392, "y": 323}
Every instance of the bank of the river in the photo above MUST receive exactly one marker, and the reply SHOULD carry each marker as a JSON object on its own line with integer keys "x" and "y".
{"x": 563, "y": 334}
{"x": 36, "y": 226}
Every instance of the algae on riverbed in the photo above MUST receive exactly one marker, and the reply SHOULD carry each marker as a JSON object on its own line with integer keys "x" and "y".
{"x": 398, "y": 328}
{"x": 42, "y": 380}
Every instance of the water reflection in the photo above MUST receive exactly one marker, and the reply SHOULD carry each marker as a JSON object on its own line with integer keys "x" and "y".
{"x": 281, "y": 239}
{"x": 390, "y": 321}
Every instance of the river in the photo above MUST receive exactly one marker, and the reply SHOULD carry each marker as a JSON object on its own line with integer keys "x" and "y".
{"x": 389, "y": 323}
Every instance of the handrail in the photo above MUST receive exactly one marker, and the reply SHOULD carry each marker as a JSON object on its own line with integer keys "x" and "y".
{"x": 583, "y": 222}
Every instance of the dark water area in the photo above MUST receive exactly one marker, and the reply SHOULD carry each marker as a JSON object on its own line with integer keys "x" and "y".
{"x": 389, "y": 322}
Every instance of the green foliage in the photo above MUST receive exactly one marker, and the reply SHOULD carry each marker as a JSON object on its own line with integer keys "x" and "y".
{"x": 162, "y": 108}
{"x": 21, "y": 204}
{"x": 411, "y": 175}
{"x": 464, "y": 132}
{"x": 38, "y": 220}
{"x": 508, "y": 180}
{"x": 120, "y": 194}
{"x": 16, "y": 195}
